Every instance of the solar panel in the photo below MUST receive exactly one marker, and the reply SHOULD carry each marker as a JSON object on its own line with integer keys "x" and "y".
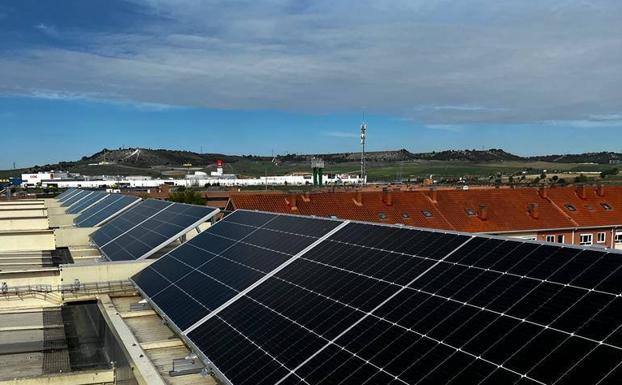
{"x": 224, "y": 260}
{"x": 105, "y": 209}
{"x": 127, "y": 220}
{"x": 87, "y": 202}
{"x": 65, "y": 193}
{"x": 75, "y": 198}
{"x": 142, "y": 231}
{"x": 373, "y": 304}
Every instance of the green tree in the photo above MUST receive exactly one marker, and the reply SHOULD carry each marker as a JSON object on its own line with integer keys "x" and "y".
{"x": 187, "y": 196}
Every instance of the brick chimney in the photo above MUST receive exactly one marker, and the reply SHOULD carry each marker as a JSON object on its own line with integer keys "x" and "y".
{"x": 482, "y": 213}
{"x": 601, "y": 190}
{"x": 534, "y": 210}
{"x": 306, "y": 197}
{"x": 433, "y": 195}
{"x": 582, "y": 192}
{"x": 291, "y": 201}
{"x": 387, "y": 197}
{"x": 544, "y": 192}
{"x": 358, "y": 200}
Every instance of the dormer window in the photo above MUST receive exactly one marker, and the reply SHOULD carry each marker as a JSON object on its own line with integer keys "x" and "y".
{"x": 606, "y": 206}
{"x": 405, "y": 216}
{"x": 470, "y": 212}
{"x": 382, "y": 215}
{"x": 426, "y": 213}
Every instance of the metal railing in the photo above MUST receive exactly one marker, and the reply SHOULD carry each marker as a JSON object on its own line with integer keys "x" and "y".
{"x": 58, "y": 292}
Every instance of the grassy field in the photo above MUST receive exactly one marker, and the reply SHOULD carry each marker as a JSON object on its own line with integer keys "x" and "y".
{"x": 376, "y": 171}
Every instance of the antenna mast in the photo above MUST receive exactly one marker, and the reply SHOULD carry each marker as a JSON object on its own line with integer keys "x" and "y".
{"x": 363, "y": 137}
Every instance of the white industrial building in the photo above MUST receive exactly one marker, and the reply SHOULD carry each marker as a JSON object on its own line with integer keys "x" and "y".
{"x": 198, "y": 179}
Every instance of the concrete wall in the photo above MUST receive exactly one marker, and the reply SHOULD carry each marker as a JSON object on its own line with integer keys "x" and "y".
{"x": 31, "y": 240}
{"x": 61, "y": 220}
{"x": 33, "y": 223}
{"x": 101, "y": 271}
{"x": 57, "y": 210}
{"x": 45, "y": 276}
{"x": 16, "y": 205}
{"x": 51, "y": 202}
{"x": 73, "y": 236}
{"x": 21, "y": 213}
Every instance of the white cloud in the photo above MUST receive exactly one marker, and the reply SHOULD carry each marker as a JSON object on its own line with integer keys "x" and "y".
{"x": 49, "y": 30}
{"x": 509, "y": 62}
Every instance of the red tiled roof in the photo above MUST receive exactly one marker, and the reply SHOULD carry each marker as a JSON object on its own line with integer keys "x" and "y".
{"x": 590, "y": 208}
{"x": 506, "y": 210}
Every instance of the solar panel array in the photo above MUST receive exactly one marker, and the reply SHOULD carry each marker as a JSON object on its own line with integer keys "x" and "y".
{"x": 86, "y": 202}
{"x": 65, "y": 194}
{"x": 276, "y": 299}
{"x": 148, "y": 227}
{"x": 73, "y": 198}
{"x": 105, "y": 209}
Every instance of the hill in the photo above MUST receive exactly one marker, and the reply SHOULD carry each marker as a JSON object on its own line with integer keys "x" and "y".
{"x": 381, "y": 164}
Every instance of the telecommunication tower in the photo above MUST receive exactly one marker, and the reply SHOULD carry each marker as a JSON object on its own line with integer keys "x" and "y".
{"x": 363, "y": 137}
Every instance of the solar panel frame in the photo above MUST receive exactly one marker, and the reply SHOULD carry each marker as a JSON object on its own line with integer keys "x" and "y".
{"x": 148, "y": 226}
{"x": 223, "y": 253}
{"x": 101, "y": 212}
{"x": 83, "y": 204}
{"x": 64, "y": 196}
{"x": 497, "y": 375}
{"x": 75, "y": 198}
{"x": 128, "y": 220}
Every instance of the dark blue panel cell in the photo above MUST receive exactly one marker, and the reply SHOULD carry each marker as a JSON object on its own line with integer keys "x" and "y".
{"x": 105, "y": 210}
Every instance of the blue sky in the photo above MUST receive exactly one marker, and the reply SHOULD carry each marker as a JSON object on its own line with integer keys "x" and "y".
{"x": 242, "y": 77}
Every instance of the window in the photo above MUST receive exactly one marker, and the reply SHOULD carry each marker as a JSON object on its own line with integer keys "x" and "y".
{"x": 426, "y": 213}
{"x": 550, "y": 238}
{"x": 601, "y": 237}
{"x": 560, "y": 238}
{"x": 570, "y": 207}
{"x": 585, "y": 239}
{"x": 470, "y": 212}
{"x": 405, "y": 215}
{"x": 606, "y": 206}
{"x": 619, "y": 237}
